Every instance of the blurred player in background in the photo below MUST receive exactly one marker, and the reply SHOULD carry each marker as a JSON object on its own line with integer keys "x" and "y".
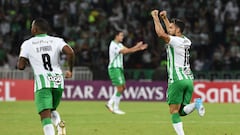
{"x": 43, "y": 52}
{"x": 180, "y": 77}
{"x": 115, "y": 68}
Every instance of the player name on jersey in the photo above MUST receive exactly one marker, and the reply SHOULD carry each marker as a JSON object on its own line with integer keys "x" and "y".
{"x": 44, "y": 49}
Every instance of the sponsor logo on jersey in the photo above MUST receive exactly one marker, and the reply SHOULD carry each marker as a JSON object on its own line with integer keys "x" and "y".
{"x": 56, "y": 79}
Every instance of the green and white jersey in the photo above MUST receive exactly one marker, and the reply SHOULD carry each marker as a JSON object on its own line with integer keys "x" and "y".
{"x": 178, "y": 65}
{"x": 43, "y": 53}
{"x": 115, "y": 57}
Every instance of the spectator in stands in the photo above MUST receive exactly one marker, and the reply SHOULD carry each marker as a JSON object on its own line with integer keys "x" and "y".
{"x": 232, "y": 10}
{"x": 2, "y": 54}
{"x": 234, "y": 48}
{"x": 217, "y": 61}
{"x": 12, "y": 59}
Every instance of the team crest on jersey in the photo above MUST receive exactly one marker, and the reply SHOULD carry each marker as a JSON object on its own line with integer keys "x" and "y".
{"x": 56, "y": 79}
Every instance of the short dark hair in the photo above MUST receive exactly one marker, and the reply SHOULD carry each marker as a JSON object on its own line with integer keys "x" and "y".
{"x": 42, "y": 24}
{"x": 179, "y": 23}
{"x": 116, "y": 32}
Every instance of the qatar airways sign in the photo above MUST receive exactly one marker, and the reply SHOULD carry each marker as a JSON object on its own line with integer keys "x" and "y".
{"x": 103, "y": 90}
{"x": 212, "y": 92}
{"x": 217, "y": 92}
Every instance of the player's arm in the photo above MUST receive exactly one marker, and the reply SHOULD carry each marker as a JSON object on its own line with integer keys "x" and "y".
{"x": 163, "y": 15}
{"x": 138, "y": 47}
{"x": 22, "y": 62}
{"x": 158, "y": 27}
{"x": 70, "y": 59}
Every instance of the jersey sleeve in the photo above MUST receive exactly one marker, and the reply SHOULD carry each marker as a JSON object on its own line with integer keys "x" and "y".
{"x": 24, "y": 51}
{"x": 121, "y": 47}
{"x": 61, "y": 44}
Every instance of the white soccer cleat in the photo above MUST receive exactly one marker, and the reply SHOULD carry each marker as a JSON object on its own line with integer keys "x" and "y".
{"x": 109, "y": 107}
{"x": 119, "y": 112}
{"x": 199, "y": 106}
{"x": 61, "y": 128}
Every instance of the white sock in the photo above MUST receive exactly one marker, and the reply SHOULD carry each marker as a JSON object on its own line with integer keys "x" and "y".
{"x": 116, "y": 102}
{"x": 178, "y": 128}
{"x": 55, "y": 117}
{"x": 189, "y": 108}
{"x": 48, "y": 129}
{"x": 111, "y": 100}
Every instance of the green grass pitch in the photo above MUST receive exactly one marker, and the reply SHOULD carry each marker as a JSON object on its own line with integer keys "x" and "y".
{"x": 142, "y": 118}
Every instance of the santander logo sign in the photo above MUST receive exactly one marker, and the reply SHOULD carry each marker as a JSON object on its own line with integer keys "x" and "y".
{"x": 217, "y": 92}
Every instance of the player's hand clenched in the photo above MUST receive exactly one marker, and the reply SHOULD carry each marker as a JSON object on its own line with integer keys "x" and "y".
{"x": 154, "y": 13}
{"x": 68, "y": 74}
{"x": 163, "y": 14}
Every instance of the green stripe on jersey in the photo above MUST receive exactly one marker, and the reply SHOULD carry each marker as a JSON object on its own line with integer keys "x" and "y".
{"x": 116, "y": 58}
{"x": 175, "y": 73}
{"x": 36, "y": 82}
{"x": 182, "y": 73}
{"x": 171, "y": 61}
{"x": 51, "y": 82}
{"x": 42, "y": 81}
{"x": 117, "y": 61}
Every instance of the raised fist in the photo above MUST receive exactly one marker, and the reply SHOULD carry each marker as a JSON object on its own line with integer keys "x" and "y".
{"x": 163, "y": 13}
{"x": 154, "y": 13}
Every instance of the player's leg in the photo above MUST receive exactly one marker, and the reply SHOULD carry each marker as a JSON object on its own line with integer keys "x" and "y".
{"x": 110, "y": 102}
{"x": 57, "y": 94}
{"x": 43, "y": 101}
{"x": 117, "y": 77}
{"x": 120, "y": 83}
{"x": 199, "y": 106}
{"x": 48, "y": 128}
{"x": 55, "y": 116}
{"x": 187, "y": 107}
{"x": 112, "y": 76}
{"x": 174, "y": 99}
{"x": 176, "y": 120}
{"x": 117, "y": 100}
{"x": 56, "y": 119}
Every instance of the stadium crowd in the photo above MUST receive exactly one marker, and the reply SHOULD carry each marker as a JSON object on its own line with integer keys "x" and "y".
{"x": 87, "y": 25}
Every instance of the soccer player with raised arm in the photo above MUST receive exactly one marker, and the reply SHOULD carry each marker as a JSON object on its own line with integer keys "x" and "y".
{"x": 180, "y": 77}
{"x": 42, "y": 52}
{"x": 115, "y": 68}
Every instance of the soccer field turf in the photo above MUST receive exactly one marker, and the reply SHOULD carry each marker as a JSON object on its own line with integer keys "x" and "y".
{"x": 142, "y": 118}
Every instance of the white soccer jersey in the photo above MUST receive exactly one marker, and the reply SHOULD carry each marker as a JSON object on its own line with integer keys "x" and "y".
{"x": 115, "y": 57}
{"x": 43, "y": 53}
{"x": 178, "y": 59}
